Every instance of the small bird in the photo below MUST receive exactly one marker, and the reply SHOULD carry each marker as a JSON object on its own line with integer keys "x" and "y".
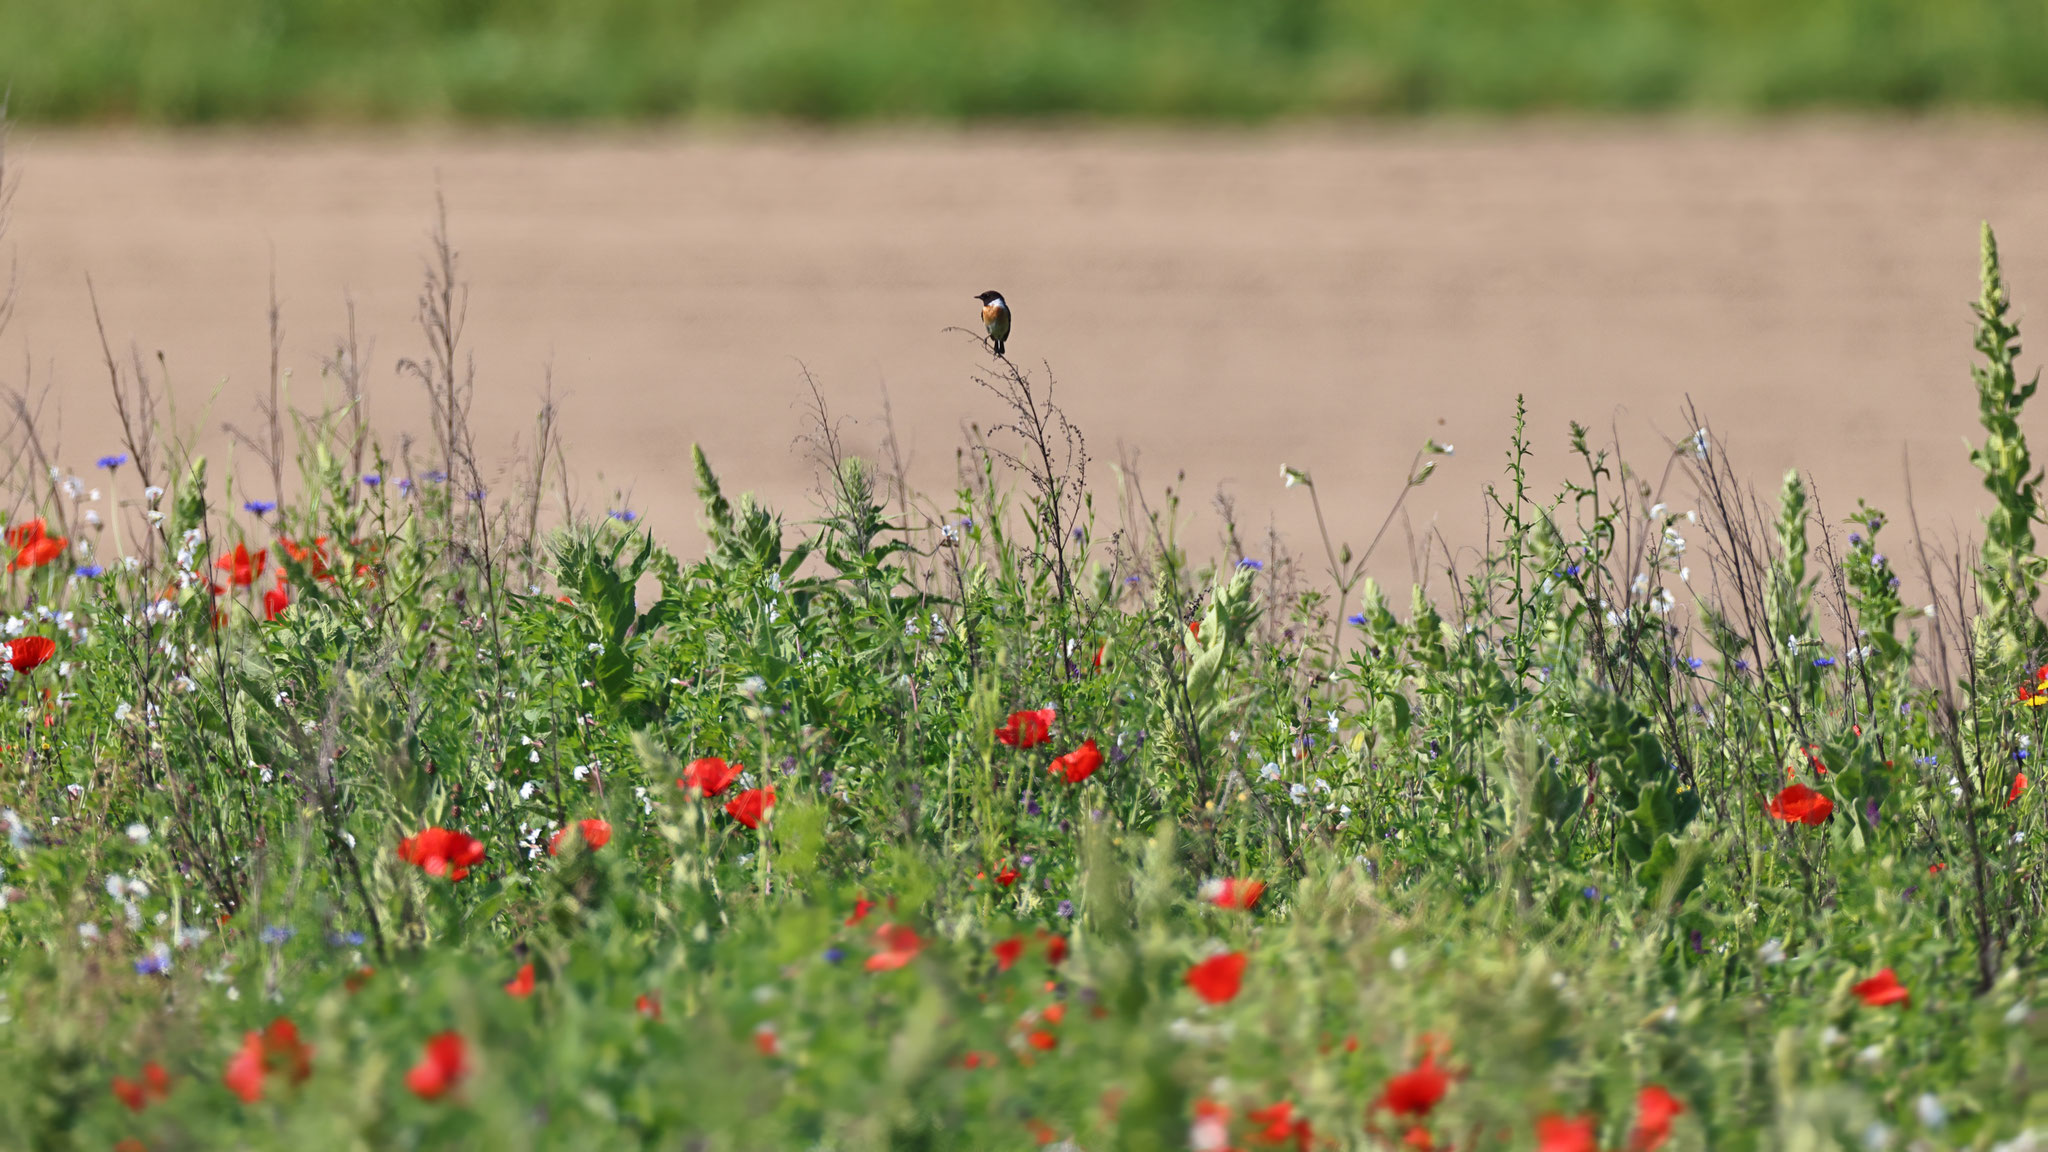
{"x": 995, "y": 316}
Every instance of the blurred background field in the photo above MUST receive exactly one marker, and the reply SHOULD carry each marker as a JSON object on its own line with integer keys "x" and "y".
{"x": 207, "y": 61}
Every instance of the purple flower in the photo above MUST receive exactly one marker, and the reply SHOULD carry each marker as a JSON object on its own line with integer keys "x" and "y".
{"x": 345, "y": 939}
{"x": 436, "y": 476}
{"x": 1590, "y": 892}
{"x": 1025, "y": 860}
{"x": 277, "y": 934}
{"x": 404, "y": 484}
{"x": 153, "y": 964}
{"x": 1855, "y": 538}
{"x": 1254, "y": 565}
{"x": 834, "y": 955}
{"x": 1870, "y": 812}
{"x": 1031, "y": 806}
{"x": 91, "y": 570}
{"x": 112, "y": 462}
{"x": 1823, "y": 661}
{"x": 478, "y": 495}
{"x": 1357, "y": 618}
{"x": 371, "y": 479}
{"x": 624, "y": 515}
{"x": 260, "y": 507}
{"x": 1067, "y": 909}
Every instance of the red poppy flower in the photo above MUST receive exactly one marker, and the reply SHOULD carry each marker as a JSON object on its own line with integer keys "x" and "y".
{"x": 1882, "y": 989}
{"x": 276, "y": 601}
{"x": 314, "y": 559}
{"x": 1419, "y": 1139}
{"x": 596, "y": 834}
{"x": 710, "y": 775}
{"x": 33, "y": 545}
{"x": 521, "y": 986}
{"x": 440, "y": 852}
{"x": 241, "y": 567}
{"x": 1099, "y": 650}
{"x": 898, "y": 944}
{"x": 1232, "y": 893}
{"x": 1557, "y": 1134}
{"x": 130, "y": 1093}
{"x": 1042, "y": 1040}
{"x": 1195, "y": 629}
{"x": 1079, "y": 764}
{"x": 1027, "y": 729}
{"x": 1417, "y": 1091}
{"x": 1280, "y": 1125}
{"x": 861, "y": 908}
{"x": 1936, "y": 868}
{"x": 1217, "y": 979}
{"x": 750, "y": 806}
{"x": 1655, "y": 1110}
{"x": 976, "y": 1060}
{"x": 1798, "y": 804}
{"x": 1007, "y": 876}
{"x": 766, "y": 1042}
{"x": 156, "y": 1080}
{"x": 648, "y": 1004}
{"x": 1041, "y": 1131}
{"x": 1055, "y": 950}
{"x": 442, "y": 1066}
{"x": 28, "y": 653}
{"x": 275, "y": 1049}
{"x": 2019, "y": 785}
{"x": 1007, "y": 952}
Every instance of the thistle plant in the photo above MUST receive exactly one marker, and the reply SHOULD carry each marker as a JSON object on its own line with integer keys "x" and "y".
{"x": 2009, "y": 573}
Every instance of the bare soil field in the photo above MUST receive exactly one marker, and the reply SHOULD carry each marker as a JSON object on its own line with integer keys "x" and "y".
{"x": 1217, "y": 303}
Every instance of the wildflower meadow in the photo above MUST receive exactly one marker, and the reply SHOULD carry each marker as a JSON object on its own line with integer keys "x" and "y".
{"x": 358, "y": 799}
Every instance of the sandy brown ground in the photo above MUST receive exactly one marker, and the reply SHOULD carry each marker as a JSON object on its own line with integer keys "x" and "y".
{"x": 1220, "y": 302}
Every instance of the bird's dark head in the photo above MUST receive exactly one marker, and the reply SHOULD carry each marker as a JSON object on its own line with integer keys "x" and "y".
{"x": 989, "y": 297}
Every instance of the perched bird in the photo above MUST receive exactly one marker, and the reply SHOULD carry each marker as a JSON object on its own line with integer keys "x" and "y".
{"x": 995, "y": 316}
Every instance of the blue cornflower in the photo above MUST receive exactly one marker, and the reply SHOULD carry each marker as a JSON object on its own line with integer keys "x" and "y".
{"x": 1357, "y": 618}
{"x": 1590, "y": 892}
{"x": 1741, "y": 665}
{"x": 1693, "y": 662}
{"x": 345, "y": 939}
{"x": 91, "y": 570}
{"x": 1823, "y": 661}
{"x": 260, "y": 507}
{"x": 1066, "y": 909}
{"x": 277, "y": 934}
{"x": 371, "y": 479}
{"x": 404, "y": 485}
{"x": 1254, "y": 565}
{"x": 834, "y": 955}
{"x": 624, "y": 515}
{"x": 1571, "y": 569}
{"x": 112, "y": 462}
{"x": 1131, "y": 580}
{"x": 2019, "y": 753}
{"x": 436, "y": 476}
{"x": 478, "y": 495}
{"x": 153, "y": 964}
{"x": 1855, "y": 538}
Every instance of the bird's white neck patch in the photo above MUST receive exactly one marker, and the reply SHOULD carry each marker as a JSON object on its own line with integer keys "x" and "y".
{"x": 997, "y": 303}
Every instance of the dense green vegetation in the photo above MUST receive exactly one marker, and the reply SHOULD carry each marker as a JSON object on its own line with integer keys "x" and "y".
{"x": 204, "y": 61}
{"x": 388, "y": 818}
